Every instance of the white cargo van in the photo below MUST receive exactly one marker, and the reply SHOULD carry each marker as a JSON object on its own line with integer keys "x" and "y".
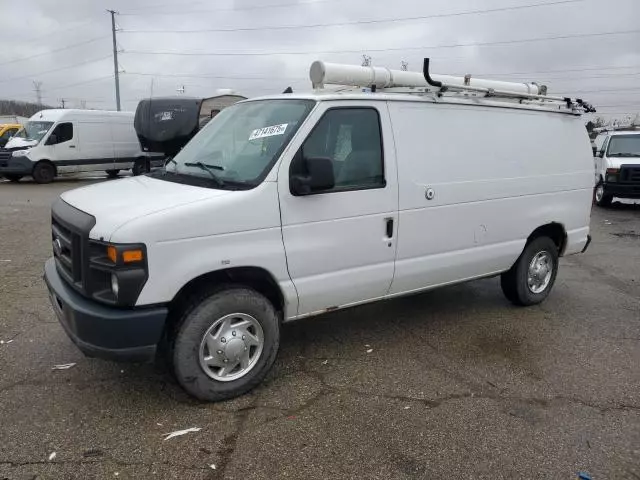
{"x": 55, "y": 142}
{"x": 294, "y": 205}
{"x": 617, "y": 161}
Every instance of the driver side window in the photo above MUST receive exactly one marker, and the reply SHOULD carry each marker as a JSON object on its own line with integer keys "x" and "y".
{"x": 63, "y": 133}
{"x": 351, "y": 139}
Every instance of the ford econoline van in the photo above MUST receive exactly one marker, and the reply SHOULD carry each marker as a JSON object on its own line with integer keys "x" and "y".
{"x": 294, "y": 205}
{"x": 55, "y": 142}
{"x": 617, "y": 163}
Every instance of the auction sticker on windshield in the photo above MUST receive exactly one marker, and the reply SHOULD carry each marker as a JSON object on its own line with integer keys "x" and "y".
{"x": 268, "y": 131}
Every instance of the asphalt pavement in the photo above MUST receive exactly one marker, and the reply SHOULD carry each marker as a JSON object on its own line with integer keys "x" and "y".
{"x": 453, "y": 383}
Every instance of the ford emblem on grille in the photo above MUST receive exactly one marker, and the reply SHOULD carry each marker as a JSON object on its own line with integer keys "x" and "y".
{"x": 57, "y": 247}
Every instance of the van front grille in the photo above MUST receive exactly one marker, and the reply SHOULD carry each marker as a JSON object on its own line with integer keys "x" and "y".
{"x": 67, "y": 251}
{"x": 630, "y": 174}
{"x": 5, "y": 155}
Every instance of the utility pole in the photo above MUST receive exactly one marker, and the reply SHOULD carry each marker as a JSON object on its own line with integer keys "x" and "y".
{"x": 115, "y": 56}
{"x": 62, "y": 102}
{"x": 37, "y": 87}
{"x": 366, "y": 61}
{"x": 403, "y": 66}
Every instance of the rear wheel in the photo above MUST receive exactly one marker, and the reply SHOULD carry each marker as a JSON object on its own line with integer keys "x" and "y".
{"x": 531, "y": 278}
{"x": 602, "y": 199}
{"x": 43, "y": 172}
{"x": 13, "y": 178}
{"x": 113, "y": 173}
{"x": 225, "y": 344}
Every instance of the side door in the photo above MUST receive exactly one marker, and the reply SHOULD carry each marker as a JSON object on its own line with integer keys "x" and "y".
{"x": 341, "y": 242}
{"x": 62, "y": 144}
{"x": 97, "y": 146}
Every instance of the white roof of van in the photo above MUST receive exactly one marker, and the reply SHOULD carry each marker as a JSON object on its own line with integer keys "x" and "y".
{"x": 55, "y": 114}
{"x": 624, "y": 132}
{"x": 381, "y": 95}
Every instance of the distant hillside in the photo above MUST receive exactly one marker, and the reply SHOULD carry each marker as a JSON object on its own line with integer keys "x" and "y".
{"x": 23, "y": 109}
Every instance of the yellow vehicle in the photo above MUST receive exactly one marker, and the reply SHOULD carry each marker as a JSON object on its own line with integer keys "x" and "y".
{"x": 8, "y": 130}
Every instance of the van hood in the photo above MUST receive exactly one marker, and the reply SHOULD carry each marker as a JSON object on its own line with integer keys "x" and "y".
{"x": 17, "y": 143}
{"x": 115, "y": 203}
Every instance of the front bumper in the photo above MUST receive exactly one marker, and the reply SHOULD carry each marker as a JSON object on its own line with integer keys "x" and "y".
{"x": 16, "y": 166}
{"x": 102, "y": 331}
{"x": 622, "y": 190}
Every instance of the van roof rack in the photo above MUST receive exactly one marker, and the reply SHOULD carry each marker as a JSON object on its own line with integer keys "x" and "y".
{"x": 380, "y": 79}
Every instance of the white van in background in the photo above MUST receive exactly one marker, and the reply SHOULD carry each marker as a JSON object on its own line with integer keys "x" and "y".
{"x": 294, "y": 205}
{"x": 57, "y": 141}
{"x": 617, "y": 162}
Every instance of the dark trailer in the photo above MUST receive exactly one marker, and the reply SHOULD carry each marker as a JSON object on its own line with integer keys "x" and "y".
{"x": 166, "y": 124}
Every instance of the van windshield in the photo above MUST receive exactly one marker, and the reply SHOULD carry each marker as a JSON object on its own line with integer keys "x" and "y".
{"x": 624, "y": 146}
{"x": 240, "y": 145}
{"x": 34, "y": 130}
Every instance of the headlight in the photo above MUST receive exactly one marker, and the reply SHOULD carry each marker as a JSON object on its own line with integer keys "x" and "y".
{"x": 118, "y": 272}
{"x": 20, "y": 153}
{"x": 114, "y": 285}
{"x": 612, "y": 174}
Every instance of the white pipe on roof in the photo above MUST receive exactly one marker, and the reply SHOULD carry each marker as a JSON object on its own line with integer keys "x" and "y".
{"x": 323, "y": 73}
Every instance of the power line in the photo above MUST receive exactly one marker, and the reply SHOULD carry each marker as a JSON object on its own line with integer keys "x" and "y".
{"x": 456, "y": 45}
{"x": 228, "y": 9}
{"x": 54, "y": 51}
{"x": 86, "y": 21}
{"x": 365, "y": 22}
{"x": 83, "y": 82}
{"x": 55, "y": 69}
{"x": 222, "y": 77}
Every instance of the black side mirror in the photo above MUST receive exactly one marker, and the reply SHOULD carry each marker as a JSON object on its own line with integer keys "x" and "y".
{"x": 595, "y": 149}
{"x": 52, "y": 140}
{"x": 601, "y": 153}
{"x": 319, "y": 177}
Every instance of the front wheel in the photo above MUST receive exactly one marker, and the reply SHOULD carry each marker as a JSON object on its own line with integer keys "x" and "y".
{"x": 43, "y": 172}
{"x": 602, "y": 199}
{"x": 225, "y": 344}
{"x": 531, "y": 278}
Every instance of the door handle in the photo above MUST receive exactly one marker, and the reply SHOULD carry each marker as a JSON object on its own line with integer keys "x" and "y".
{"x": 389, "y": 227}
{"x": 72, "y": 146}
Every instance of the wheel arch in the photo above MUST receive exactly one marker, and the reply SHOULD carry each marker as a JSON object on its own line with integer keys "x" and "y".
{"x": 46, "y": 160}
{"x": 256, "y": 278}
{"x": 555, "y": 231}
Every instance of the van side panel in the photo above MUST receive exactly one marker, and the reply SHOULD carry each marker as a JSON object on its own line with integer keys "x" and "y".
{"x": 125, "y": 143}
{"x": 496, "y": 174}
{"x": 232, "y": 229}
{"x": 96, "y": 144}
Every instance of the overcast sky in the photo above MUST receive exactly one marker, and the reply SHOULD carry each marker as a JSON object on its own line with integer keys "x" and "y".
{"x": 603, "y": 69}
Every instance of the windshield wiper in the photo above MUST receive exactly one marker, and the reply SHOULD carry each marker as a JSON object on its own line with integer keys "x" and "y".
{"x": 209, "y": 169}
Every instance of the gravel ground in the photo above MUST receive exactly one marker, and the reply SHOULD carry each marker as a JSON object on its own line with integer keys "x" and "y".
{"x": 459, "y": 383}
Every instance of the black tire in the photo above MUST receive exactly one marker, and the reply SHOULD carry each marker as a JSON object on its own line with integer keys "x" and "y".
{"x": 602, "y": 199}
{"x": 43, "y": 172}
{"x": 113, "y": 173}
{"x": 140, "y": 166}
{"x": 13, "y": 178}
{"x": 514, "y": 282}
{"x": 199, "y": 314}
